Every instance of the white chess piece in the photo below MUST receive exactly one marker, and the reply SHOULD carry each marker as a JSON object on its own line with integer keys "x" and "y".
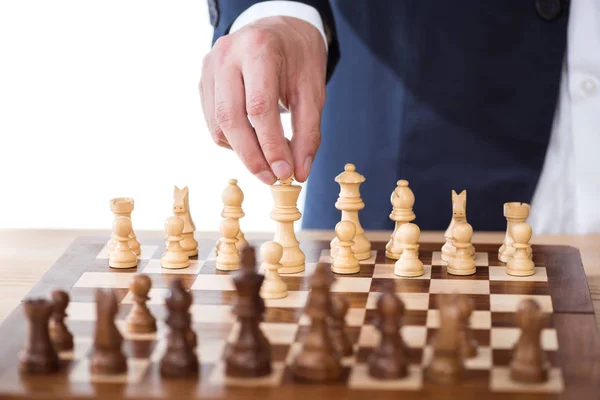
{"x": 233, "y": 197}
{"x": 122, "y": 256}
{"x": 123, "y": 207}
{"x": 409, "y": 265}
{"x": 285, "y": 213}
{"x": 463, "y": 262}
{"x": 273, "y": 286}
{"x": 350, "y": 203}
{"x": 520, "y": 264}
{"x": 181, "y": 208}
{"x": 175, "y": 257}
{"x": 228, "y": 258}
{"x": 403, "y": 200}
{"x": 344, "y": 261}
{"x": 459, "y": 215}
{"x": 515, "y": 213}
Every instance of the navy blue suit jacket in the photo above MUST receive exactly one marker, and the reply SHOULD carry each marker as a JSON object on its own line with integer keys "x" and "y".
{"x": 447, "y": 94}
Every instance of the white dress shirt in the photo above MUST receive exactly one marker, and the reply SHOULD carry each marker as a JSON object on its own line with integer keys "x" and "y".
{"x": 567, "y": 198}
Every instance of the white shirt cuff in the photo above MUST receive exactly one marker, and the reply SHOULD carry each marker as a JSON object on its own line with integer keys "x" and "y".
{"x": 280, "y": 8}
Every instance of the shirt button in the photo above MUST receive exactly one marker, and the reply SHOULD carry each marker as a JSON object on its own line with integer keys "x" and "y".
{"x": 548, "y": 9}
{"x": 589, "y": 86}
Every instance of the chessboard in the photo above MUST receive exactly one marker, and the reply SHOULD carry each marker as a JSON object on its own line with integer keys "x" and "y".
{"x": 559, "y": 285}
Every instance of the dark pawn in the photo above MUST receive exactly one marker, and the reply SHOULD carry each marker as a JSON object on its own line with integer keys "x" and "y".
{"x": 337, "y": 326}
{"x": 250, "y": 355}
{"x": 318, "y": 361}
{"x": 179, "y": 360}
{"x": 107, "y": 356}
{"x": 468, "y": 344}
{"x": 529, "y": 363}
{"x": 59, "y": 333}
{"x": 39, "y": 355}
{"x": 140, "y": 320}
{"x": 447, "y": 365}
{"x": 388, "y": 359}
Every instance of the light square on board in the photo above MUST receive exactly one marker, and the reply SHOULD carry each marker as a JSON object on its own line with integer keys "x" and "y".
{"x": 479, "y": 319}
{"x": 459, "y": 286}
{"x": 218, "y": 377}
{"x": 505, "y": 338}
{"x": 108, "y": 279}
{"x": 481, "y": 258}
{"x": 81, "y": 311}
{"x": 412, "y": 301}
{"x": 136, "y": 368}
{"x": 154, "y": 267}
{"x": 499, "y": 274}
{"x": 386, "y": 271}
{"x": 501, "y": 382}
{"x": 81, "y": 347}
{"x": 211, "y": 313}
{"x": 146, "y": 252}
{"x": 510, "y": 302}
{"x": 347, "y": 284}
{"x": 213, "y": 282}
{"x": 360, "y": 379}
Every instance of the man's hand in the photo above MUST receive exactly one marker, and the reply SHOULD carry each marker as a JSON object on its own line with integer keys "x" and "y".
{"x": 245, "y": 75}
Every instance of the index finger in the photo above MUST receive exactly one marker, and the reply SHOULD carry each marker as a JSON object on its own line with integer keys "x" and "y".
{"x": 261, "y": 79}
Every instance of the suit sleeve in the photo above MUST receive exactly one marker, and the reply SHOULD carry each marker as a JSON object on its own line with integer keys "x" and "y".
{"x": 224, "y": 12}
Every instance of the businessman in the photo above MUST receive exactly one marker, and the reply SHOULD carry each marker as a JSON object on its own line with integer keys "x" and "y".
{"x": 500, "y": 98}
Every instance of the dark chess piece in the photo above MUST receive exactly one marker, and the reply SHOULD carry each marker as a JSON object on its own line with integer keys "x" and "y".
{"x": 529, "y": 363}
{"x": 250, "y": 355}
{"x": 446, "y": 365}
{"x": 39, "y": 355}
{"x": 318, "y": 361}
{"x": 180, "y": 359}
{"x": 388, "y": 359}
{"x": 337, "y": 326}
{"x": 107, "y": 356}
{"x": 468, "y": 344}
{"x": 140, "y": 320}
{"x": 59, "y": 333}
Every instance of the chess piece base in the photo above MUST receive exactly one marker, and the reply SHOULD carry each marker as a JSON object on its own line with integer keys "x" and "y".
{"x": 175, "y": 262}
{"x": 122, "y": 264}
{"x": 291, "y": 270}
{"x": 530, "y": 270}
{"x": 345, "y": 271}
{"x": 189, "y": 244}
{"x": 525, "y": 373}
{"x": 176, "y": 366}
{"x": 388, "y": 368}
{"x": 392, "y": 256}
{"x": 461, "y": 271}
{"x": 273, "y": 290}
{"x": 114, "y": 363}
{"x": 445, "y": 370}
{"x": 32, "y": 364}
{"x": 317, "y": 370}
{"x": 409, "y": 271}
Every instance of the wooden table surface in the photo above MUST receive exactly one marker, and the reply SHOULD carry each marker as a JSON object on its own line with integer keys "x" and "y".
{"x": 25, "y": 255}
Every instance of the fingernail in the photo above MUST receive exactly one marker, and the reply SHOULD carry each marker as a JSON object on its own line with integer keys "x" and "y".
{"x": 266, "y": 177}
{"x": 281, "y": 169}
{"x": 307, "y": 165}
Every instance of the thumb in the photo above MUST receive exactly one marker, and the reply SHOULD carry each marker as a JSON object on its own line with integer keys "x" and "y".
{"x": 306, "y": 128}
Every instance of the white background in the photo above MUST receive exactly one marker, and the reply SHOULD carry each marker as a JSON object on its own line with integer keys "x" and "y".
{"x": 99, "y": 99}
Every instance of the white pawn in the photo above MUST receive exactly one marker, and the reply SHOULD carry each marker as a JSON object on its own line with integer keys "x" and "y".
{"x": 273, "y": 286}
{"x": 344, "y": 261}
{"x": 520, "y": 264}
{"x": 408, "y": 264}
{"x": 175, "y": 257}
{"x": 122, "y": 256}
{"x": 463, "y": 262}
{"x": 228, "y": 258}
